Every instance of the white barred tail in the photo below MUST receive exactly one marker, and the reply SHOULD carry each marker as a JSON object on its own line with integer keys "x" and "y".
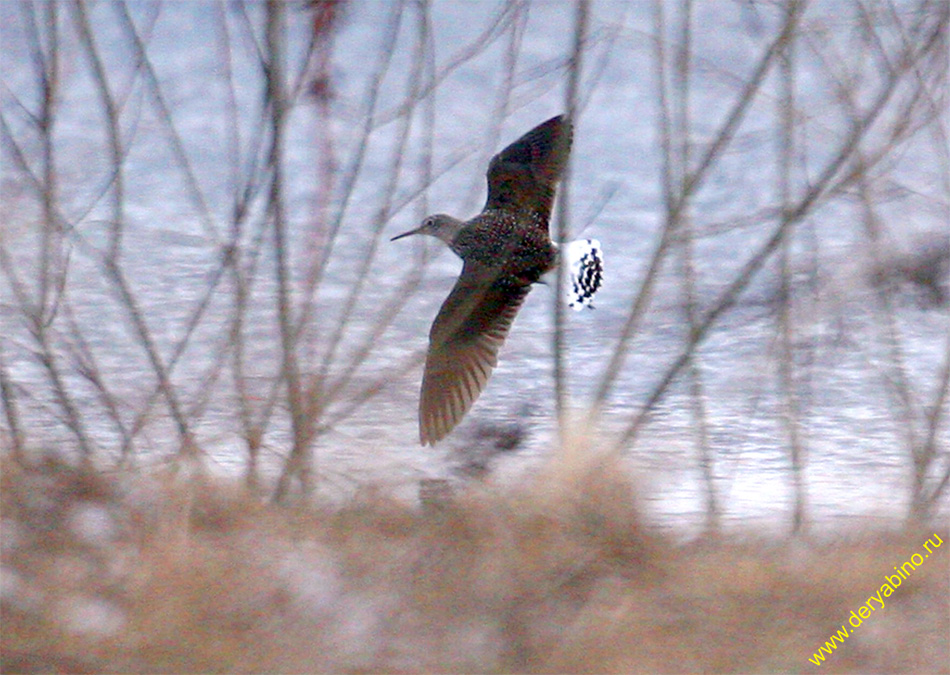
{"x": 585, "y": 267}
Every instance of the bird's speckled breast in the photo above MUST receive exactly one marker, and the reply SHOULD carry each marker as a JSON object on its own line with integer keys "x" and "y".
{"x": 518, "y": 245}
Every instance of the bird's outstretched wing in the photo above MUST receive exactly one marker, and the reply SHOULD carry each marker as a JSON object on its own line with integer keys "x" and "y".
{"x": 522, "y": 177}
{"x": 463, "y": 347}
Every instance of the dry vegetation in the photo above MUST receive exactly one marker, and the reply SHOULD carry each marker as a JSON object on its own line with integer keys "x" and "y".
{"x": 183, "y": 573}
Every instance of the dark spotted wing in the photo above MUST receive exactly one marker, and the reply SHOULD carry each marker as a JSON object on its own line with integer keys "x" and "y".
{"x": 523, "y": 176}
{"x": 463, "y": 347}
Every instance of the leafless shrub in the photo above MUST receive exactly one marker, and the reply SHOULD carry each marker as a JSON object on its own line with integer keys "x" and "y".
{"x": 169, "y": 288}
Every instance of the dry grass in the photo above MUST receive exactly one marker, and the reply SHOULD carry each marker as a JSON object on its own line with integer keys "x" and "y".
{"x": 181, "y": 573}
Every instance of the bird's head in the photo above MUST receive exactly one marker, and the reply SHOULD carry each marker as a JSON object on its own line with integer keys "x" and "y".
{"x": 439, "y": 226}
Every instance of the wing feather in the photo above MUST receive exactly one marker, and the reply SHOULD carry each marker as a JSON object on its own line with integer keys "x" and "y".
{"x": 464, "y": 342}
{"x": 523, "y": 176}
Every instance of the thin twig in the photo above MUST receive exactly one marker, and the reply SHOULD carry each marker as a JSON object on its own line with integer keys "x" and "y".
{"x": 581, "y": 19}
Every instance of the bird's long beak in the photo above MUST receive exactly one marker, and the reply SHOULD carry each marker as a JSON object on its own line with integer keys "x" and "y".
{"x": 405, "y": 234}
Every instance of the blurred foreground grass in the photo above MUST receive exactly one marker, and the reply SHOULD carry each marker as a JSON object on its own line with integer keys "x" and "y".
{"x": 184, "y": 573}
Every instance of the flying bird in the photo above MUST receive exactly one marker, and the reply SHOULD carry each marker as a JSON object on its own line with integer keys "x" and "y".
{"x": 505, "y": 249}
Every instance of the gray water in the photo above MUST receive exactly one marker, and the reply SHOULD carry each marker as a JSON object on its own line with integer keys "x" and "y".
{"x": 857, "y": 464}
